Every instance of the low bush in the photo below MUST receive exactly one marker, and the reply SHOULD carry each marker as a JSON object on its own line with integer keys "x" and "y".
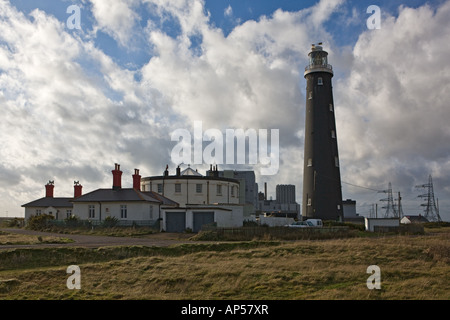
{"x": 39, "y": 222}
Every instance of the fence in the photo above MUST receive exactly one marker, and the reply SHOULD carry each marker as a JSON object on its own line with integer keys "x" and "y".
{"x": 103, "y": 223}
{"x": 281, "y": 233}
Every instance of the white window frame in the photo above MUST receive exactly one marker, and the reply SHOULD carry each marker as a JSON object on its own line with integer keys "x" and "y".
{"x": 91, "y": 209}
{"x": 123, "y": 211}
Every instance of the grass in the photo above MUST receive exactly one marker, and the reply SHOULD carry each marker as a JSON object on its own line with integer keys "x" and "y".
{"x": 412, "y": 267}
{"x": 7, "y": 238}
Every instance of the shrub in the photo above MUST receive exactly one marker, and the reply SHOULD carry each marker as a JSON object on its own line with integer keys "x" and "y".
{"x": 39, "y": 222}
{"x": 72, "y": 221}
{"x": 110, "y": 222}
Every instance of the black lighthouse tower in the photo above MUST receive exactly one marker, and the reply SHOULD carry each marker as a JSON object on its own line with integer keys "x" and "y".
{"x": 322, "y": 194}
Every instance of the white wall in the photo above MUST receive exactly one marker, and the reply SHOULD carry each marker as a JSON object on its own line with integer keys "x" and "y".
{"x": 62, "y": 212}
{"x": 388, "y": 222}
{"x": 136, "y": 210}
{"x": 225, "y": 216}
{"x": 189, "y": 195}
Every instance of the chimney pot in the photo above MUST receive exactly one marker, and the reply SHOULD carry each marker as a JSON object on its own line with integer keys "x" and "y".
{"x": 49, "y": 189}
{"x": 77, "y": 190}
{"x": 166, "y": 172}
{"x": 117, "y": 177}
{"x": 136, "y": 180}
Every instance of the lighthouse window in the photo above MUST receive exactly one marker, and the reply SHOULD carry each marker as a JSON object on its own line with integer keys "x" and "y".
{"x": 320, "y": 81}
{"x": 310, "y": 163}
{"x": 331, "y": 107}
{"x": 333, "y": 134}
{"x": 310, "y": 95}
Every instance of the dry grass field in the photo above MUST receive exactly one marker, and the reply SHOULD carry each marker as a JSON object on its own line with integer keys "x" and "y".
{"x": 412, "y": 267}
{"x": 7, "y": 238}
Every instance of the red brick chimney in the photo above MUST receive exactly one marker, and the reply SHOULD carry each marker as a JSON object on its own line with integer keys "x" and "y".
{"x": 49, "y": 189}
{"x": 136, "y": 180}
{"x": 117, "y": 177}
{"x": 77, "y": 189}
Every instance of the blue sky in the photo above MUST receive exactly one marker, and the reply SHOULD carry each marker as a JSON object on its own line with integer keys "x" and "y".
{"x": 137, "y": 70}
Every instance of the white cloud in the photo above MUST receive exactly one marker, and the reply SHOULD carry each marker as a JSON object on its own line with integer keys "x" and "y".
{"x": 116, "y": 18}
{"x": 392, "y": 109}
{"x": 70, "y": 111}
{"x": 228, "y": 12}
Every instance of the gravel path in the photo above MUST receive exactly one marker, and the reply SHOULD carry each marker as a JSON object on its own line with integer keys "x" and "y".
{"x": 94, "y": 241}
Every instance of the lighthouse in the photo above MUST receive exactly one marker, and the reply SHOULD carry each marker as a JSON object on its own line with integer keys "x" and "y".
{"x": 322, "y": 193}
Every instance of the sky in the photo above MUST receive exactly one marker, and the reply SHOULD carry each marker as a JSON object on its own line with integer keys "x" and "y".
{"x": 75, "y": 100}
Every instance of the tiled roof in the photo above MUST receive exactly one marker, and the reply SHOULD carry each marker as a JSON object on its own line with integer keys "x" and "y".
{"x": 113, "y": 195}
{"x": 51, "y": 202}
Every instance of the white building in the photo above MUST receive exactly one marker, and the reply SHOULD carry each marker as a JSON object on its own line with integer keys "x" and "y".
{"x": 413, "y": 219}
{"x": 189, "y": 187}
{"x": 203, "y": 200}
{"x": 382, "y": 223}
{"x": 59, "y": 208}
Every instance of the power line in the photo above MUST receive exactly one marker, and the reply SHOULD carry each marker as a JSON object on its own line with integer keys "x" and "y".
{"x": 354, "y": 185}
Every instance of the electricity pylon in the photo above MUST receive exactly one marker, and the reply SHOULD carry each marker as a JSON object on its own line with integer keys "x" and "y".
{"x": 431, "y": 212}
{"x": 390, "y": 207}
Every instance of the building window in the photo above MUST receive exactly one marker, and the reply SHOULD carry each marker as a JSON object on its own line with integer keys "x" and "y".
{"x": 91, "y": 211}
{"x": 160, "y": 188}
{"x": 309, "y": 202}
{"x": 38, "y": 212}
{"x": 177, "y": 187}
{"x": 123, "y": 211}
{"x": 310, "y": 163}
{"x": 331, "y": 107}
{"x": 336, "y": 161}
{"x": 232, "y": 191}
{"x": 320, "y": 81}
{"x": 143, "y": 187}
{"x": 68, "y": 213}
{"x": 198, "y": 188}
{"x": 219, "y": 190}
{"x": 333, "y": 134}
{"x": 310, "y": 95}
